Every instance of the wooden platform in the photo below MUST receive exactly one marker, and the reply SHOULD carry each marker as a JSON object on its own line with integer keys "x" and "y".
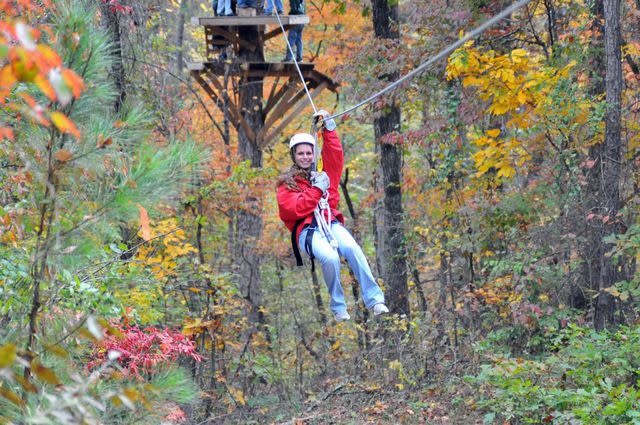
{"x": 222, "y": 31}
{"x": 241, "y": 21}
{"x": 282, "y": 97}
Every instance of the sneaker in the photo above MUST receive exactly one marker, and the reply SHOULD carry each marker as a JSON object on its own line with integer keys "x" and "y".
{"x": 379, "y": 309}
{"x": 341, "y": 316}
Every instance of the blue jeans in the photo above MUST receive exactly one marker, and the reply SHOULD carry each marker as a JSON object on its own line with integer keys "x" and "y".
{"x": 268, "y": 7}
{"x": 248, "y": 3}
{"x": 295, "y": 40}
{"x": 224, "y": 8}
{"x": 330, "y": 263}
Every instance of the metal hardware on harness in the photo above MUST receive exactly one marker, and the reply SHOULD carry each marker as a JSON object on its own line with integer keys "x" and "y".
{"x": 322, "y": 213}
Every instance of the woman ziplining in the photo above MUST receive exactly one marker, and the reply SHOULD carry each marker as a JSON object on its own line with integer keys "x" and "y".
{"x": 308, "y": 201}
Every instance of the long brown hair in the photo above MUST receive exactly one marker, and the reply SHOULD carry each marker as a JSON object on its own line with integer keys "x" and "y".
{"x": 291, "y": 176}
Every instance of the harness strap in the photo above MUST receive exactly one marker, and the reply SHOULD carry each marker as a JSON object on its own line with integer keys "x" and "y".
{"x": 294, "y": 243}
{"x": 308, "y": 246}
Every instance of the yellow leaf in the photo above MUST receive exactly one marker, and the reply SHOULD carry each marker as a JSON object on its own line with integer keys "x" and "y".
{"x": 64, "y": 124}
{"x": 518, "y": 53}
{"x": 28, "y": 386}
{"x": 237, "y": 395}
{"x": 49, "y": 55}
{"x": 7, "y": 355}
{"x": 45, "y": 86}
{"x": 11, "y": 396}
{"x": 44, "y": 373}
{"x": 102, "y": 142}
{"x": 494, "y": 132}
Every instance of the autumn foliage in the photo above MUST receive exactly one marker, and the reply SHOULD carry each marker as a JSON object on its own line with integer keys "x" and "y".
{"x": 26, "y": 58}
{"x": 142, "y": 351}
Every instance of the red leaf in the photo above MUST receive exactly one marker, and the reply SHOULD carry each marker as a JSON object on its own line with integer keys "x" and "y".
{"x": 102, "y": 142}
{"x": 74, "y": 82}
{"x": 6, "y": 133}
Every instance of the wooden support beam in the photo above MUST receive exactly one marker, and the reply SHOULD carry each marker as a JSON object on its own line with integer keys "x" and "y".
{"x": 276, "y": 32}
{"x": 271, "y": 92}
{"x": 233, "y": 108}
{"x": 232, "y": 37}
{"x": 274, "y": 99}
{"x": 207, "y": 88}
{"x": 282, "y": 106}
{"x": 236, "y": 114}
{"x": 301, "y": 104}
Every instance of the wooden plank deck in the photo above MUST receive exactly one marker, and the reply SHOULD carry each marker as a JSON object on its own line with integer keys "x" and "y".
{"x": 240, "y": 21}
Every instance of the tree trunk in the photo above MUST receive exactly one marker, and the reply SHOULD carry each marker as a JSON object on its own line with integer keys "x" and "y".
{"x": 111, "y": 22}
{"x": 249, "y": 219}
{"x": 390, "y": 235}
{"x": 608, "y": 161}
{"x": 180, "y": 36}
{"x": 578, "y": 297}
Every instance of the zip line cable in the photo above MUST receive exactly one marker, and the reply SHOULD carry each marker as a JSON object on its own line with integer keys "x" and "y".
{"x": 443, "y": 53}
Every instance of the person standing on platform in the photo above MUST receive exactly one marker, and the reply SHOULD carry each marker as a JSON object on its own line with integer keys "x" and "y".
{"x": 224, "y": 8}
{"x": 243, "y": 4}
{"x": 295, "y": 32}
{"x": 268, "y": 7}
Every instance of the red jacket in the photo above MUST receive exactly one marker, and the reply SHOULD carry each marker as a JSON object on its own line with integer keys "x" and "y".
{"x": 297, "y": 205}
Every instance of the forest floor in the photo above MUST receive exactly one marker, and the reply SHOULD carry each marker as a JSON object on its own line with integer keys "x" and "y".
{"x": 352, "y": 404}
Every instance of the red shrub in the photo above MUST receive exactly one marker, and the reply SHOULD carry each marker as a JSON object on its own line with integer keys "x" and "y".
{"x": 142, "y": 351}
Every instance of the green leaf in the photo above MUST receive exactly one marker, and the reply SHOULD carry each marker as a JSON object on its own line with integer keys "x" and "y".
{"x": 489, "y": 418}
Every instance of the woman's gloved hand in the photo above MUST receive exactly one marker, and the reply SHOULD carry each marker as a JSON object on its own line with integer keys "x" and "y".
{"x": 320, "y": 180}
{"x": 320, "y": 116}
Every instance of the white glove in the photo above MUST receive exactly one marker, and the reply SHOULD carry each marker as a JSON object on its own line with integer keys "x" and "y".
{"x": 320, "y": 116}
{"x": 320, "y": 180}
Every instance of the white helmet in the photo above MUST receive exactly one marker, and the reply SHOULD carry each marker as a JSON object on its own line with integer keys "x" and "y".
{"x": 302, "y": 138}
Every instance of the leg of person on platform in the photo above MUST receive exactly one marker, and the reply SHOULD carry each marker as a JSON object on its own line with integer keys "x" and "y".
{"x": 298, "y": 42}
